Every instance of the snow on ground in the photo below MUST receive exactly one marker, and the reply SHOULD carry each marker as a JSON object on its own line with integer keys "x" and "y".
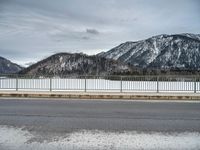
{"x": 20, "y": 139}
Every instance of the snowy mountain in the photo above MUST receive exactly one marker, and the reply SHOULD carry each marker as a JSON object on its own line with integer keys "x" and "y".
{"x": 75, "y": 64}
{"x": 179, "y": 51}
{"x": 7, "y": 67}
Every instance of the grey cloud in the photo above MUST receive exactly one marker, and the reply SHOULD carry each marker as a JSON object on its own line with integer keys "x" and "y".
{"x": 92, "y": 31}
{"x": 31, "y": 29}
{"x": 85, "y": 38}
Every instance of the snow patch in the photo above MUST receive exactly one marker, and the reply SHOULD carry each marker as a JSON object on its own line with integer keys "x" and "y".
{"x": 62, "y": 65}
{"x": 93, "y": 140}
{"x": 61, "y": 59}
{"x": 8, "y": 65}
{"x": 156, "y": 50}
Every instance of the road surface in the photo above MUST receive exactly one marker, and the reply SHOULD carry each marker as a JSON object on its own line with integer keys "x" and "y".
{"x": 47, "y": 119}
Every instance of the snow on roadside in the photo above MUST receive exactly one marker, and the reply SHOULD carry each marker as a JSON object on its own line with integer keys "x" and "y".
{"x": 19, "y": 139}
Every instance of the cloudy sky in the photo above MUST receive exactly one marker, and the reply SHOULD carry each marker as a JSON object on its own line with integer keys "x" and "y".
{"x": 34, "y": 29}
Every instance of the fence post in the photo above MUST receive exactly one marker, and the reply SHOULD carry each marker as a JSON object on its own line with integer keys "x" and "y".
{"x": 195, "y": 85}
{"x": 50, "y": 88}
{"x": 17, "y": 83}
{"x": 157, "y": 84}
{"x": 121, "y": 84}
{"x": 85, "y": 84}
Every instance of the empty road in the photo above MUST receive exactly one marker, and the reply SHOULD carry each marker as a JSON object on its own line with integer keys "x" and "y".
{"x": 50, "y": 118}
{"x": 113, "y": 115}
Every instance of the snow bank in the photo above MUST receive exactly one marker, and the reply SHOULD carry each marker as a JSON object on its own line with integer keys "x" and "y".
{"x": 19, "y": 139}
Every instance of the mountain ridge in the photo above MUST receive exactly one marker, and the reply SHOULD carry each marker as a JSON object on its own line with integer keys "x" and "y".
{"x": 177, "y": 51}
{"x": 75, "y": 64}
{"x": 8, "y": 67}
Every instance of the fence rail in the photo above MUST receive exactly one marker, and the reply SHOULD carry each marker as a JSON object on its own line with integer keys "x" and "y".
{"x": 102, "y": 83}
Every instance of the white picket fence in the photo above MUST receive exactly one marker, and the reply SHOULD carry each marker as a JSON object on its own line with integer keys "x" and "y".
{"x": 119, "y": 84}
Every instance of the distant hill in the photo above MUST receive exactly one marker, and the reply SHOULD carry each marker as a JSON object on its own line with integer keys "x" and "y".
{"x": 7, "y": 67}
{"x": 76, "y": 64}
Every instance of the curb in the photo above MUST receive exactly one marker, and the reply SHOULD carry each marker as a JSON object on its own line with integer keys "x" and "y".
{"x": 102, "y": 96}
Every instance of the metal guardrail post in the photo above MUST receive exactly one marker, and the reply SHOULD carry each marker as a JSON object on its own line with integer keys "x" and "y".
{"x": 157, "y": 84}
{"x": 85, "y": 84}
{"x": 121, "y": 84}
{"x": 50, "y": 88}
{"x": 195, "y": 85}
{"x": 17, "y": 83}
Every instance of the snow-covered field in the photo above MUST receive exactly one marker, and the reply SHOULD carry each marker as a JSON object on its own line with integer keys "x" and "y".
{"x": 20, "y": 139}
{"x": 98, "y": 85}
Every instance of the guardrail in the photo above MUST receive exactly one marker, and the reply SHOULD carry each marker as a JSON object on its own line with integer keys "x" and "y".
{"x": 102, "y": 83}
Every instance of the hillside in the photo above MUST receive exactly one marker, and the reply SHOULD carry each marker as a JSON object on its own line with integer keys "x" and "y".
{"x": 164, "y": 52}
{"x": 8, "y": 67}
{"x": 75, "y": 64}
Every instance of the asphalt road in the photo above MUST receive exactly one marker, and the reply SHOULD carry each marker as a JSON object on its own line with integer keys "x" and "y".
{"x": 58, "y": 116}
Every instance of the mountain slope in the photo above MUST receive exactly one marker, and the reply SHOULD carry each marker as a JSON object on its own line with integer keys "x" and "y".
{"x": 180, "y": 51}
{"x": 7, "y": 66}
{"x": 75, "y": 64}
